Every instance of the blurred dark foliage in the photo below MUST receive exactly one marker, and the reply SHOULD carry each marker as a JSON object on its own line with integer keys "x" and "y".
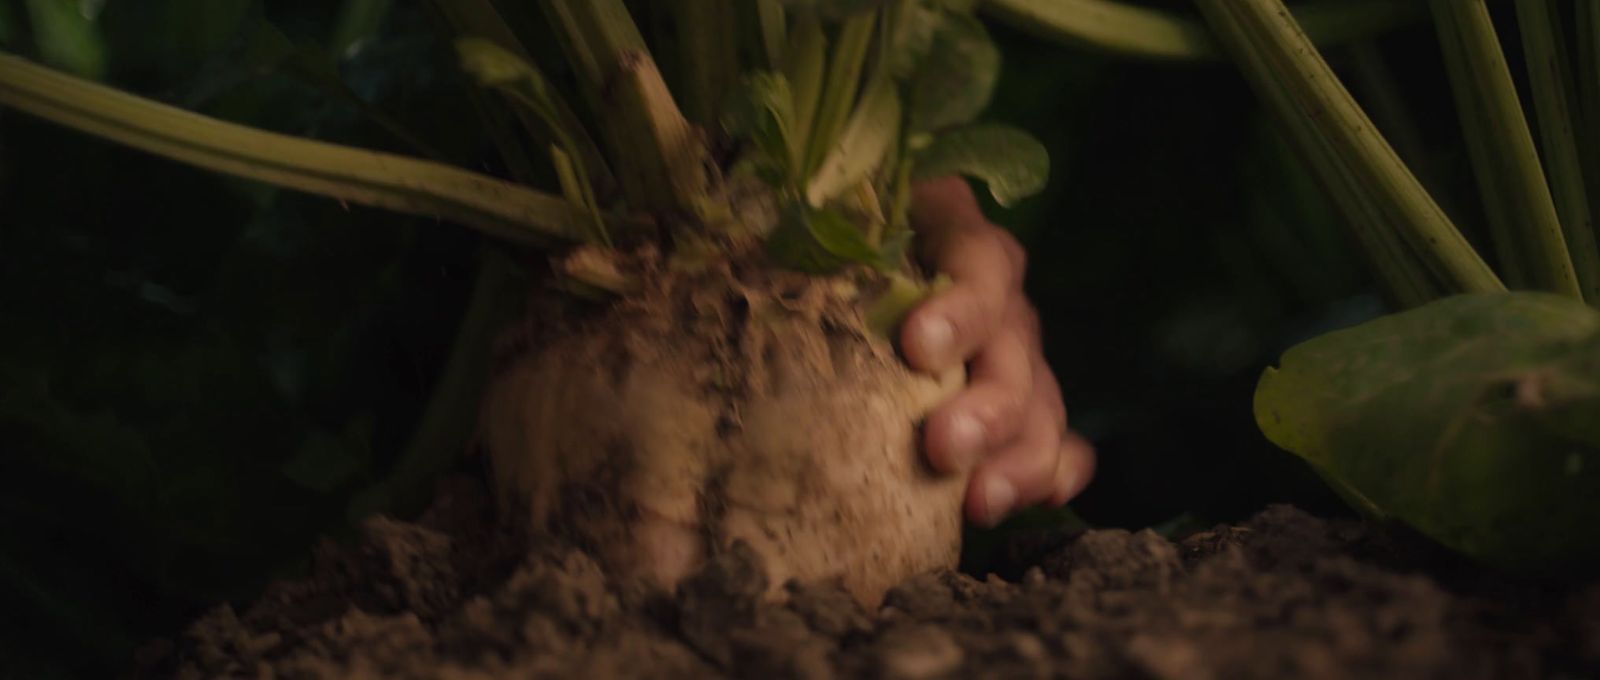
{"x": 198, "y": 374}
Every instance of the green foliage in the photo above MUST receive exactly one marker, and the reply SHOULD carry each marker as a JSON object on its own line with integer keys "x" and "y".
{"x": 201, "y": 374}
{"x": 840, "y": 87}
{"x": 822, "y": 241}
{"x": 857, "y": 115}
{"x": 762, "y": 111}
{"x": 1475, "y": 419}
{"x": 1013, "y": 163}
{"x": 863, "y": 146}
{"x": 67, "y": 36}
{"x": 1524, "y": 225}
{"x": 954, "y": 81}
{"x": 497, "y": 67}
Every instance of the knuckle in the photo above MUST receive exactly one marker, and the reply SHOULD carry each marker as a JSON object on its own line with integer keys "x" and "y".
{"x": 999, "y": 417}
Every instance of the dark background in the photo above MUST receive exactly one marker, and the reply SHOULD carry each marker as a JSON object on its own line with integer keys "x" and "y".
{"x": 199, "y": 375}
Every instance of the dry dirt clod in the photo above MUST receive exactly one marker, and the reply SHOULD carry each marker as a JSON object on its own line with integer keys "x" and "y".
{"x": 828, "y": 609}
{"x": 1117, "y": 560}
{"x": 721, "y": 597}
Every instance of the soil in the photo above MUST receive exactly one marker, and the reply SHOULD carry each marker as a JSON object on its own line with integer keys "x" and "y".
{"x": 1283, "y": 595}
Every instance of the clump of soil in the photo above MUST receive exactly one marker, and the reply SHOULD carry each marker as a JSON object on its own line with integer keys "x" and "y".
{"x": 1284, "y": 595}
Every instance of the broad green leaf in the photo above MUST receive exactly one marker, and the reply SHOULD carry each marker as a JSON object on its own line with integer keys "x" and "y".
{"x": 1010, "y": 161}
{"x": 911, "y": 37}
{"x": 954, "y": 81}
{"x": 820, "y": 241}
{"x": 1475, "y": 419}
{"x": 914, "y": 25}
{"x": 862, "y": 147}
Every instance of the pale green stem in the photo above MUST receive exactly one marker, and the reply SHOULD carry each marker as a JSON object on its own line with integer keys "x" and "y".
{"x": 1355, "y": 162}
{"x": 707, "y": 37}
{"x": 862, "y": 146}
{"x": 773, "y": 29}
{"x": 804, "y": 63}
{"x": 1551, "y": 81}
{"x": 479, "y": 18}
{"x": 407, "y": 185}
{"x": 598, "y": 36}
{"x": 661, "y": 160}
{"x": 574, "y": 169}
{"x": 1143, "y": 32}
{"x": 1401, "y": 275}
{"x": 1522, "y": 216}
{"x": 841, "y": 87}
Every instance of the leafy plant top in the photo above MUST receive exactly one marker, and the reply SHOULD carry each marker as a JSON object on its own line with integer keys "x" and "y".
{"x": 1471, "y": 419}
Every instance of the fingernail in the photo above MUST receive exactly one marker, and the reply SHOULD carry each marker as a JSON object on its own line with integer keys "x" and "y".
{"x": 998, "y": 497}
{"x": 965, "y": 440}
{"x": 936, "y": 336}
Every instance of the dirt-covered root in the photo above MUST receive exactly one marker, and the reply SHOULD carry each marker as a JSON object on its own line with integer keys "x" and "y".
{"x": 1284, "y": 595}
{"x": 734, "y": 405}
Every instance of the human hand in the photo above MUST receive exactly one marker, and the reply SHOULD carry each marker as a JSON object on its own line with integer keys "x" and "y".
{"x": 1008, "y": 425}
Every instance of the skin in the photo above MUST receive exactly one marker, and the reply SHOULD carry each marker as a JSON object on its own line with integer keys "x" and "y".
{"x": 1009, "y": 425}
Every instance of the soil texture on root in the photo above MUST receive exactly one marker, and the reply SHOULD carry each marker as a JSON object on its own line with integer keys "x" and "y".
{"x": 1284, "y": 595}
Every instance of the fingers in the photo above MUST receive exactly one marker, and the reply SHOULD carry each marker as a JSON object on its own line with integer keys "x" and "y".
{"x": 1039, "y": 468}
{"x": 987, "y": 266}
{"x": 1074, "y": 469}
{"x": 1046, "y": 463}
{"x": 939, "y": 206}
{"x": 1009, "y": 425}
{"x": 1019, "y": 475}
{"x": 989, "y": 412}
{"x": 951, "y": 228}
